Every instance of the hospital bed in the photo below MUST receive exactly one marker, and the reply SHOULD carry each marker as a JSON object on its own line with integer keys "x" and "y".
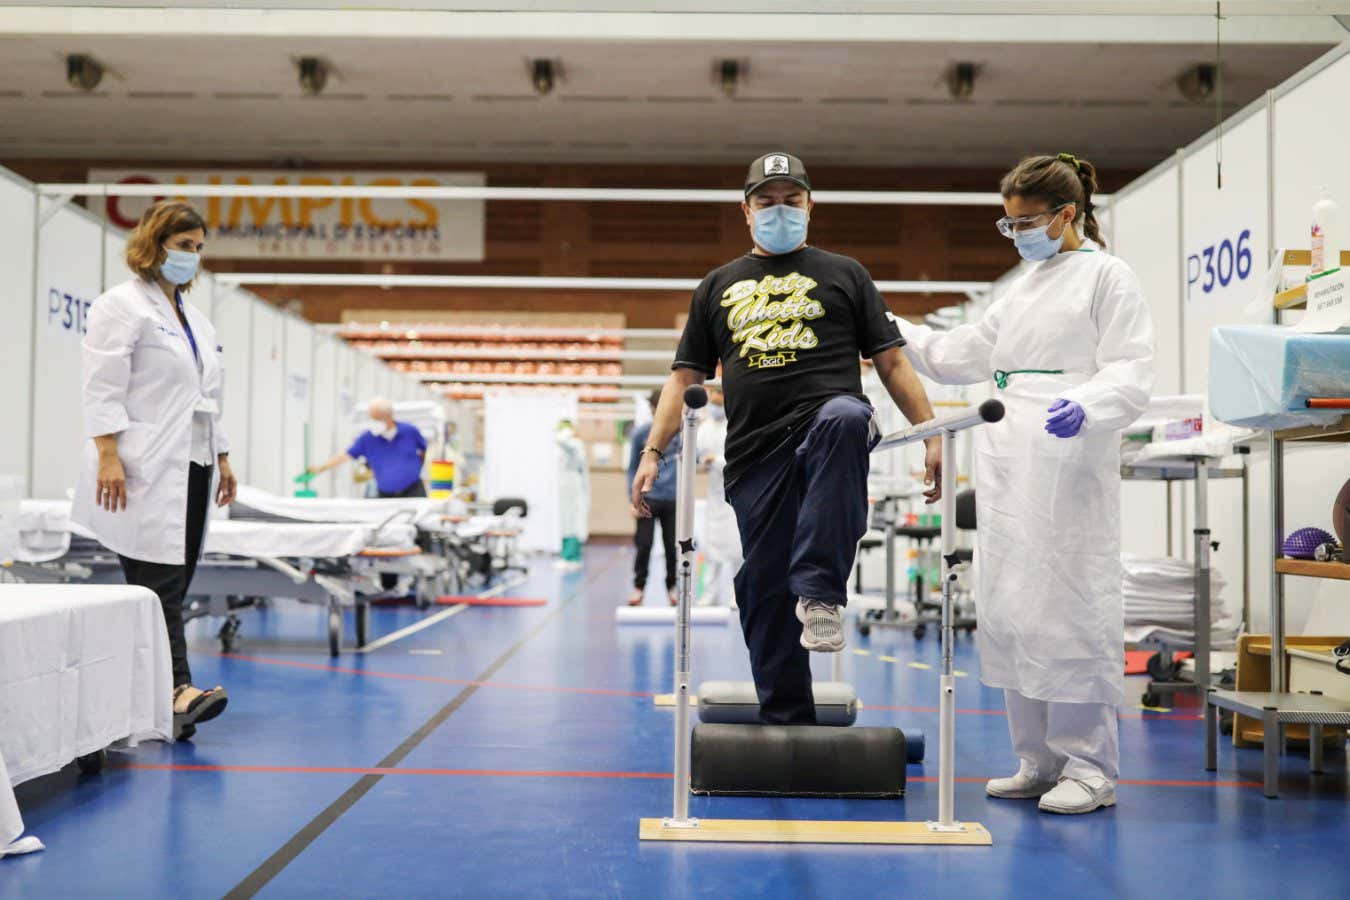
{"x": 474, "y": 542}
{"x": 331, "y": 564}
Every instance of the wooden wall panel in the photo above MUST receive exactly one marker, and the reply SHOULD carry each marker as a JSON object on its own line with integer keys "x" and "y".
{"x": 647, "y": 240}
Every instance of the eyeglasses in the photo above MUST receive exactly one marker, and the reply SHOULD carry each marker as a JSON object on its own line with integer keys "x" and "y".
{"x": 1011, "y": 225}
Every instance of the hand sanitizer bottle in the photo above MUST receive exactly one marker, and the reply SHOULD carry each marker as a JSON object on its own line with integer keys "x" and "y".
{"x": 1326, "y": 234}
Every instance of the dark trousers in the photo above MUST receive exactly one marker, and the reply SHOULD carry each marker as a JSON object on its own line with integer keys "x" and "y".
{"x": 663, "y": 511}
{"x": 416, "y": 489}
{"x": 801, "y": 511}
{"x": 171, "y": 582}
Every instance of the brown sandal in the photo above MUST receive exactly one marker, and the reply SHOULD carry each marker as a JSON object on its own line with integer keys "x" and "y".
{"x": 202, "y": 708}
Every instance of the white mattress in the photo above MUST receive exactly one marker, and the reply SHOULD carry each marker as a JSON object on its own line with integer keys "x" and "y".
{"x": 252, "y": 501}
{"x": 321, "y": 540}
{"x": 81, "y": 668}
{"x": 45, "y": 530}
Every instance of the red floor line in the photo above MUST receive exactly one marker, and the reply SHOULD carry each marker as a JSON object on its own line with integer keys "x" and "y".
{"x": 435, "y": 679}
{"x": 606, "y": 692}
{"x": 376, "y": 770}
{"x": 530, "y": 773}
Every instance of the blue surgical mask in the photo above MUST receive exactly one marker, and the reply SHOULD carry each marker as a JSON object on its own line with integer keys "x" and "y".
{"x": 716, "y": 413}
{"x": 780, "y": 229}
{"x": 180, "y": 267}
{"x": 1035, "y": 244}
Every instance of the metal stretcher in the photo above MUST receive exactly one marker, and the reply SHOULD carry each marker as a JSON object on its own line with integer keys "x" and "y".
{"x": 244, "y": 564}
{"x": 472, "y": 547}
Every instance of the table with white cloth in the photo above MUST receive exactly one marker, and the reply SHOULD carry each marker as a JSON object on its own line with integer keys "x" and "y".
{"x": 82, "y": 668}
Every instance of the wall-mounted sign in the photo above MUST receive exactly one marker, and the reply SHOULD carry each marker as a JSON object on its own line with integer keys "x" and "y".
{"x": 319, "y": 228}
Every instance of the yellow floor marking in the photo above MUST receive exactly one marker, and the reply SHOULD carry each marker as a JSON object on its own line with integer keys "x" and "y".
{"x": 919, "y": 665}
{"x": 862, "y": 652}
{"x": 888, "y": 659}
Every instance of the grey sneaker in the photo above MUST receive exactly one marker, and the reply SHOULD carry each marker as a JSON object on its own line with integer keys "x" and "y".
{"x": 822, "y": 626}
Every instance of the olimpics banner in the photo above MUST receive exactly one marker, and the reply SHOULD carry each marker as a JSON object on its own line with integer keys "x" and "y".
{"x": 319, "y": 228}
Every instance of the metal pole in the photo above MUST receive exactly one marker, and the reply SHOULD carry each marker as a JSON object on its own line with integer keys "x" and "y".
{"x": 1181, "y": 317}
{"x": 1167, "y": 486}
{"x": 947, "y": 708}
{"x": 1246, "y": 546}
{"x": 694, "y": 398}
{"x": 1276, "y": 580}
{"x": 890, "y": 562}
{"x": 33, "y": 307}
{"x": 1202, "y": 576}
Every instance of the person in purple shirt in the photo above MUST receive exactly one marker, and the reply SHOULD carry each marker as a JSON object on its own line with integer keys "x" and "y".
{"x": 395, "y": 452}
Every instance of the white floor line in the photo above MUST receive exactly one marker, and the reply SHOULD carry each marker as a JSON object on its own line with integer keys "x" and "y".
{"x": 412, "y": 629}
{"x": 438, "y": 617}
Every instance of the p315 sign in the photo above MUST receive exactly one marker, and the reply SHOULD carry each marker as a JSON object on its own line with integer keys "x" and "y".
{"x": 1219, "y": 265}
{"x": 66, "y": 312}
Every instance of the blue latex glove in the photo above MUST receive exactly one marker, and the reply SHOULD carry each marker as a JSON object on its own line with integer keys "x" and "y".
{"x": 1066, "y": 419}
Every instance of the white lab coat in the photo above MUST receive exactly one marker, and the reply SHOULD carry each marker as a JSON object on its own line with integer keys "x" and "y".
{"x": 1047, "y": 563}
{"x": 142, "y": 383}
{"x": 574, "y": 488}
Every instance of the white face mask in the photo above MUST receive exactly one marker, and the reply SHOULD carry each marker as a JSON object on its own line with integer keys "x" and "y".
{"x": 378, "y": 428}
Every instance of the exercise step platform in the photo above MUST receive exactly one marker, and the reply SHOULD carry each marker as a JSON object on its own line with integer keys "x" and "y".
{"x": 737, "y": 703}
{"x": 797, "y": 761}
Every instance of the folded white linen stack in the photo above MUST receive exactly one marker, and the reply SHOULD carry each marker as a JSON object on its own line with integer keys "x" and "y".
{"x": 1159, "y": 596}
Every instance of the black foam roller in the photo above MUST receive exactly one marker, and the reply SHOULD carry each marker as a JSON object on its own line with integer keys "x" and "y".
{"x": 798, "y": 761}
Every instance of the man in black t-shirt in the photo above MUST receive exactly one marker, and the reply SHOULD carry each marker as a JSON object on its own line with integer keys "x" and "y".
{"x": 787, "y": 323}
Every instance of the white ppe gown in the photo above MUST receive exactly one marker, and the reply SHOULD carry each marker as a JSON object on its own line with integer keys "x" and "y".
{"x": 1047, "y": 563}
{"x": 722, "y": 537}
{"x": 574, "y": 487}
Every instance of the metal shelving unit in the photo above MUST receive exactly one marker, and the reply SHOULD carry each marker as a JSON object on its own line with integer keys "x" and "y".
{"x": 1280, "y": 707}
{"x": 1201, "y": 471}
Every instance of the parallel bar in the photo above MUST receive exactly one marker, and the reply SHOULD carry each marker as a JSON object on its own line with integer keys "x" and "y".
{"x": 947, "y": 703}
{"x": 988, "y": 411}
{"x": 694, "y": 400}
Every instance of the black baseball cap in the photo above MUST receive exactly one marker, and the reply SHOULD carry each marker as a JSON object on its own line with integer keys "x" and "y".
{"x": 776, "y": 167}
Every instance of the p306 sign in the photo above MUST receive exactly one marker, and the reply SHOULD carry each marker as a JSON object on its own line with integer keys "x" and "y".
{"x": 1219, "y": 265}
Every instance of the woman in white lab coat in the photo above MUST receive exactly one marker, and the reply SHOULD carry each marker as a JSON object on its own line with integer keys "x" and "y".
{"x": 1069, "y": 347}
{"x": 152, "y": 414}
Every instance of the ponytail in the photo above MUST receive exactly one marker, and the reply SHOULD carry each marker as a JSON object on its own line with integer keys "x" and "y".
{"x": 1058, "y": 180}
{"x": 1087, "y": 177}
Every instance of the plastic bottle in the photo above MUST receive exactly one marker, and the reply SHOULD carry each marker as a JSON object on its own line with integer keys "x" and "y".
{"x": 1327, "y": 234}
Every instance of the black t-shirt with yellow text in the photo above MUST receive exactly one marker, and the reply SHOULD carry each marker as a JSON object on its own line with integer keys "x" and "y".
{"x": 788, "y": 331}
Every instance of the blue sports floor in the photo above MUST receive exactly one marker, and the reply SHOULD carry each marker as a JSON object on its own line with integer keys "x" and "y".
{"x": 510, "y": 752}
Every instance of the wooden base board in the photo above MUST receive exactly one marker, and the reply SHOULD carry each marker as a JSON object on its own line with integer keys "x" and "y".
{"x": 769, "y": 831}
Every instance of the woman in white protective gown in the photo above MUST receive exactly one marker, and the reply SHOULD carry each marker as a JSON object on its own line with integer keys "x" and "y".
{"x": 721, "y": 543}
{"x": 1069, "y": 346}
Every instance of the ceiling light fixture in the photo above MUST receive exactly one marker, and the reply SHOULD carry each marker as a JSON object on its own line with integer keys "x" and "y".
{"x": 729, "y": 73}
{"x": 1197, "y": 83}
{"x": 543, "y": 76}
{"x": 83, "y": 72}
{"x": 960, "y": 79}
{"x": 314, "y": 73}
